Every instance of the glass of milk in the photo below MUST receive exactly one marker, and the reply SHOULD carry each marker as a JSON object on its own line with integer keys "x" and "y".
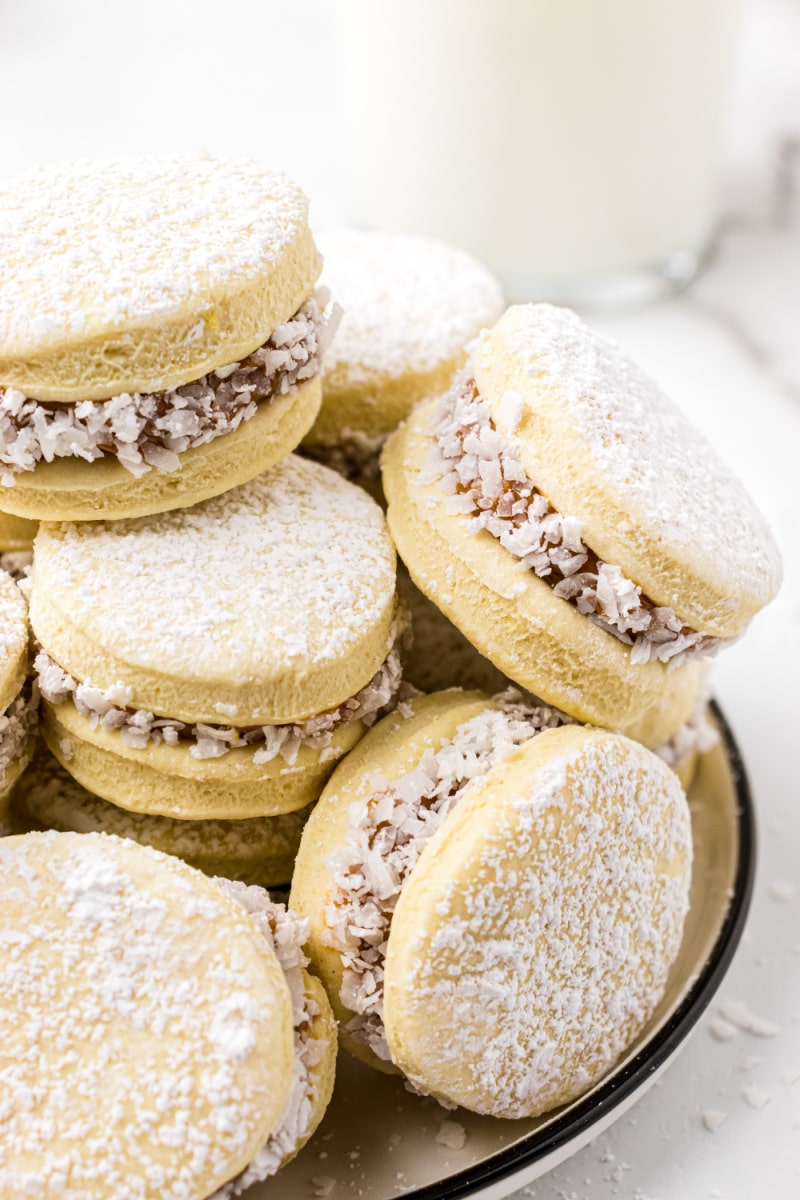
{"x": 570, "y": 144}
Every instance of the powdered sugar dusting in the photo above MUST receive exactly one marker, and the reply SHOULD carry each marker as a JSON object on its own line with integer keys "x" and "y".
{"x": 285, "y": 933}
{"x": 410, "y": 303}
{"x": 49, "y": 796}
{"x": 598, "y": 856}
{"x": 386, "y": 834}
{"x": 479, "y": 469}
{"x": 126, "y": 1025}
{"x": 145, "y": 236}
{"x": 294, "y": 567}
{"x": 653, "y": 461}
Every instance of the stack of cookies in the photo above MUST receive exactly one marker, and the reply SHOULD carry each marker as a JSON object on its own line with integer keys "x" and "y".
{"x": 219, "y": 645}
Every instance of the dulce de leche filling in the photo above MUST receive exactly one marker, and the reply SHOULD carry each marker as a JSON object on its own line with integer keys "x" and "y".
{"x": 110, "y": 709}
{"x": 479, "y": 468}
{"x": 144, "y": 431}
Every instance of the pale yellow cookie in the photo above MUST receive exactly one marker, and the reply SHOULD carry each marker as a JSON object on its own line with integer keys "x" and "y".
{"x": 133, "y": 985}
{"x": 495, "y": 909}
{"x": 216, "y": 661}
{"x": 257, "y": 851}
{"x": 410, "y": 306}
{"x": 159, "y": 337}
{"x": 16, "y": 534}
{"x": 568, "y": 519}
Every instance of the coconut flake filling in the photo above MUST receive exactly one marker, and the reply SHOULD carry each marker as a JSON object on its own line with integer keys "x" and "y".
{"x": 696, "y": 734}
{"x": 145, "y": 431}
{"x": 480, "y": 470}
{"x": 386, "y": 834}
{"x": 109, "y": 709}
{"x": 285, "y": 932}
{"x": 17, "y": 724}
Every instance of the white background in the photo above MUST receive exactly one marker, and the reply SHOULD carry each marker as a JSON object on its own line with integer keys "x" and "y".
{"x": 237, "y": 77}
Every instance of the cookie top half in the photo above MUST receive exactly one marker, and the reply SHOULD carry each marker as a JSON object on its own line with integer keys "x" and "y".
{"x": 266, "y": 605}
{"x": 136, "y": 988}
{"x": 604, "y": 444}
{"x": 141, "y": 274}
{"x": 410, "y": 306}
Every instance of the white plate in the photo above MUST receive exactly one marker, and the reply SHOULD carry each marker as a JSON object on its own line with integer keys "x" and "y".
{"x": 377, "y": 1141}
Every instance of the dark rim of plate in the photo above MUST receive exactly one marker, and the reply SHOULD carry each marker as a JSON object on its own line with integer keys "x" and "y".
{"x": 659, "y": 1049}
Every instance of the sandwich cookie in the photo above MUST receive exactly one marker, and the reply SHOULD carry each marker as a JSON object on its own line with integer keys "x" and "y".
{"x": 565, "y": 515}
{"x": 19, "y": 697}
{"x": 260, "y": 850}
{"x": 440, "y": 657}
{"x": 495, "y": 900}
{"x": 160, "y": 339}
{"x": 173, "y": 1010}
{"x": 215, "y": 662}
{"x": 410, "y": 305}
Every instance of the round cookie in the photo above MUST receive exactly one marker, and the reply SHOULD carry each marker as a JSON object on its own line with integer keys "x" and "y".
{"x": 215, "y": 662}
{"x": 411, "y": 304}
{"x": 103, "y": 942}
{"x": 634, "y": 551}
{"x": 478, "y": 885}
{"x": 159, "y": 338}
{"x": 259, "y": 851}
{"x": 16, "y": 534}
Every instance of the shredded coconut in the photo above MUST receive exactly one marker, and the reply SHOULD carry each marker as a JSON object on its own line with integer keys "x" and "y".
{"x": 354, "y": 454}
{"x": 698, "y": 733}
{"x": 285, "y": 932}
{"x": 17, "y": 724}
{"x": 109, "y": 709}
{"x": 480, "y": 470}
{"x": 151, "y": 431}
{"x": 254, "y": 849}
{"x": 386, "y": 835}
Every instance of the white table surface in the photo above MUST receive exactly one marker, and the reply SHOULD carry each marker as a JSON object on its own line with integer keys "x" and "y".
{"x": 93, "y": 78}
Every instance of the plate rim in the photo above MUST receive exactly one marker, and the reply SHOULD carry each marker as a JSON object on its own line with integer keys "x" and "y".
{"x": 656, "y": 1053}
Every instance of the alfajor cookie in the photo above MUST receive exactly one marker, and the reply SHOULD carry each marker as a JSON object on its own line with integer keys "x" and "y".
{"x": 495, "y": 899}
{"x": 173, "y": 1010}
{"x": 19, "y": 698}
{"x": 411, "y": 305}
{"x": 160, "y": 340}
{"x": 215, "y": 662}
{"x": 258, "y": 850}
{"x": 566, "y": 516}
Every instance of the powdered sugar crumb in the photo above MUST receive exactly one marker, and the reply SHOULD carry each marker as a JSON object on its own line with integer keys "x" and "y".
{"x": 712, "y": 1119}
{"x": 452, "y": 1135}
{"x": 755, "y": 1097}
{"x": 737, "y": 1012}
